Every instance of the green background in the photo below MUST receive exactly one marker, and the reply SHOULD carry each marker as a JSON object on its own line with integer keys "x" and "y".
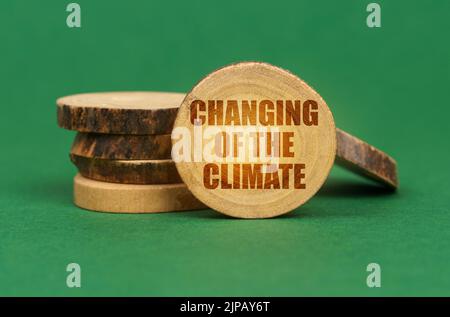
{"x": 388, "y": 86}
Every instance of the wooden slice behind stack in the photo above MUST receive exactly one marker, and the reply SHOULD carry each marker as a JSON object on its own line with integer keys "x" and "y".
{"x": 365, "y": 159}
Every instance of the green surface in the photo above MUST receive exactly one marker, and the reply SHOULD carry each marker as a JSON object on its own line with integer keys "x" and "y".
{"x": 388, "y": 86}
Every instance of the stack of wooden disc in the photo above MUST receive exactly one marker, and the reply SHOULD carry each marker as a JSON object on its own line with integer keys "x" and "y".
{"x": 123, "y": 151}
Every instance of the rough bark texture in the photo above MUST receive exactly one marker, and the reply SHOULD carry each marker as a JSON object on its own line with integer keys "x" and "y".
{"x": 116, "y": 121}
{"x": 122, "y": 147}
{"x": 127, "y": 172}
{"x": 366, "y": 160}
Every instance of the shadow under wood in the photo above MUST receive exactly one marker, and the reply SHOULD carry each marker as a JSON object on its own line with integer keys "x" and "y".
{"x": 341, "y": 187}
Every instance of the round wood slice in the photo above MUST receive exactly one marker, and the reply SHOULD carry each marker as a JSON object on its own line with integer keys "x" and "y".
{"x": 247, "y": 187}
{"x": 119, "y": 112}
{"x": 366, "y": 160}
{"x": 127, "y": 172}
{"x": 122, "y": 147}
{"x": 125, "y": 198}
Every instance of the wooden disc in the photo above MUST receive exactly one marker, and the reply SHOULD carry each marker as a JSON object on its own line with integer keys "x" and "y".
{"x": 127, "y": 172}
{"x": 366, "y": 160}
{"x": 122, "y": 147}
{"x": 126, "y": 198}
{"x": 253, "y": 97}
{"x": 119, "y": 112}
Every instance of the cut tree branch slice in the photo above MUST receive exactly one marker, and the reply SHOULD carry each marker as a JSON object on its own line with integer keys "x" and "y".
{"x": 366, "y": 160}
{"x": 122, "y": 147}
{"x": 127, "y": 172}
{"x": 119, "y": 112}
{"x": 257, "y": 97}
{"x": 125, "y": 198}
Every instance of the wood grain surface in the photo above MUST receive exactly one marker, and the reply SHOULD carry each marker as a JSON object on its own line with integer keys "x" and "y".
{"x": 271, "y": 89}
